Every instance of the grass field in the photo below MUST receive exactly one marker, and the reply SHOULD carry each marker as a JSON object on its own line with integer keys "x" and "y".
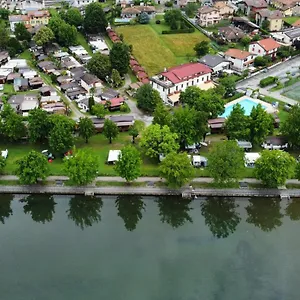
{"x": 156, "y": 51}
{"x": 291, "y": 20}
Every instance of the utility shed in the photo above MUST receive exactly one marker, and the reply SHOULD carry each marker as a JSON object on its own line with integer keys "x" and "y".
{"x": 113, "y": 156}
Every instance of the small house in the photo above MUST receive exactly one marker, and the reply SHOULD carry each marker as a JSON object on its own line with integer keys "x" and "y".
{"x": 12, "y": 76}
{"x": 215, "y": 62}
{"x": 274, "y": 18}
{"x": 114, "y": 104}
{"x": 216, "y": 125}
{"x": 250, "y": 7}
{"x": 20, "y": 84}
{"x": 36, "y": 82}
{"x": 241, "y": 60}
{"x": 231, "y": 34}
{"x": 265, "y": 47}
{"x": 208, "y": 16}
{"x": 89, "y": 81}
{"x": 48, "y": 91}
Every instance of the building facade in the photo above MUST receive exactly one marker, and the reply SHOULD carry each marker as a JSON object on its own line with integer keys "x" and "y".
{"x": 208, "y": 16}
{"x": 175, "y": 80}
{"x": 241, "y": 60}
{"x": 264, "y": 47}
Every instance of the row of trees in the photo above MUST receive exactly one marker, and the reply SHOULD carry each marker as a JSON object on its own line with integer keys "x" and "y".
{"x": 86, "y": 212}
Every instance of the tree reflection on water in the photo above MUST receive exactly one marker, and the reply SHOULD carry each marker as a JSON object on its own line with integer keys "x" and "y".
{"x": 220, "y": 216}
{"x": 85, "y": 211}
{"x": 174, "y": 210}
{"x": 5, "y": 207}
{"x": 130, "y": 210}
{"x": 264, "y": 213}
{"x": 293, "y": 209}
{"x": 41, "y": 208}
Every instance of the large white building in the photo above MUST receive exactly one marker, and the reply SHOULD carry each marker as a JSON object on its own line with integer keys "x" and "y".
{"x": 175, "y": 80}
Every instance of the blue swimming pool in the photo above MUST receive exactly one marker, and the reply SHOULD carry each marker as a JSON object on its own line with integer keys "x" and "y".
{"x": 247, "y": 104}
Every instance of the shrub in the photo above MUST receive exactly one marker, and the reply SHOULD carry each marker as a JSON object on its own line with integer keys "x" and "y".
{"x": 124, "y": 108}
{"x": 157, "y": 21}
{"x": 267, "y": 81}
{"x": 187, "y": 30}
{"x": 169, "y": 4}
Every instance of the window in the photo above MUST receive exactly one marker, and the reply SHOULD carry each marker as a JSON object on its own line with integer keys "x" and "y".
{"x": 202, "y": 78}
{"x": 207, "y": 78}
{"x": 197, "y": 80}
{"x": 258, "y": 51}
{"x": 176, "y": 87}
{"x": 182, "y": 86}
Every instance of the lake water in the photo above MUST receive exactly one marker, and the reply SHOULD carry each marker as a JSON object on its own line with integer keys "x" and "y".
{"x": 134, "y": 248}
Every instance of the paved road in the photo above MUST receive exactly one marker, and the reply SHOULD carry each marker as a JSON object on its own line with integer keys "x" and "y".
{"x": 141, "y": 179}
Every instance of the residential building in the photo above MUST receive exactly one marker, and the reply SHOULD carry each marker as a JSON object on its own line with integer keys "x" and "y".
{"x": 241, "y": 60}
{"x": 274, "y": 17}
{"x": 24, "y": 103}
{"x": 288, "y": 36}
{"x": 80, "y": 3}
{"x": 208, "y": 16}
{"x": 89, "y": 81}
{"x": 275, "y": 143}
{"x": 135, "y": 11}
{"x": 246, "y": 25}
{"x": 224, "y": 9}
{"x": 231, "y": 33}
{"x": 175, "y": 80}
{"x": 282, "y": 4}
{"x": 215, "y": 62}
{"x": 20, "y": 84}
{"x": 31, "y": 19}
{"x": 265, "y": 47}
{"x": 252, "y": 6}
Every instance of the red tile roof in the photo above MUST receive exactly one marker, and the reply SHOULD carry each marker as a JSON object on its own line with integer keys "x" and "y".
{"x": 133, "y": 62}
{"x": 268, "y": 44}
{"x": 115, "y": 102}
{"x": 183, "y": 72}
{"x": 137, "y": 69}
{"x": 142, "y": 75}
{"x": 145, "y": 80}
{"x": 237, "y": 53}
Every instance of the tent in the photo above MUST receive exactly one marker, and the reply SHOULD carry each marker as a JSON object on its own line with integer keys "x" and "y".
{"x": 113, "y": 156}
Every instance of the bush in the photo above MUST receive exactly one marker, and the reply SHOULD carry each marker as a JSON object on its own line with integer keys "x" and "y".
{"x": 187, "y": 30}
{"x": 157, "y": 21}
{"x": 169, "y": 4}
{"x": 124, "y": 107}
{"x": 267, "y": 81}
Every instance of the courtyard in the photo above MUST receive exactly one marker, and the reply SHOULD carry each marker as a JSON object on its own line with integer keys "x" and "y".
{"x": 156, "y": 51}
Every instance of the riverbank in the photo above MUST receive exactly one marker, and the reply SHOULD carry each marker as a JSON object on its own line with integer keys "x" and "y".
{"x": 187, "y": 192}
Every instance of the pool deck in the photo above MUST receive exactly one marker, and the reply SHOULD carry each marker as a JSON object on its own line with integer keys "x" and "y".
{"x": 269, "y": 108}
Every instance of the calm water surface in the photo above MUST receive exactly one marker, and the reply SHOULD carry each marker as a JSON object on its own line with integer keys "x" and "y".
{"x": 134, "y": 248}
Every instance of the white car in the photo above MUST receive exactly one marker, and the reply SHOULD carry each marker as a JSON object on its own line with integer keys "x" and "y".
{"x": 4, "y": 154}
{"x": 1, "y": 87}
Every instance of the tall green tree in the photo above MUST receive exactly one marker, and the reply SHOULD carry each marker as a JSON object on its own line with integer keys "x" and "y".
{"x": 291, "y": 127}
{"x": 38, "y": 125}
{"x": 261, "y": 125}
{"x": 226, "y": 162}
{"x": 175, "y": 212}
{"x": 161, "y": 115}
{"x": 100, "y": 65}
{"x": 119, "y": 57}
{"x": 264, "y": 213}
{"x": 172, "y": 18}
{"x": 5, "y": 207}
{"x": 130, "y": 210}
{"x": 85, "y": 211}
{"x": 82, "y": 167}
{"x": 4, "y": 14}
{"x": 86, "y": 128}
{"x": 220, "y": 216}
{"x": 73, "y": 17}
{"x": 94, "y": 18}
{"x": 21, "y": 33}
{"x": 202, "y": 48}
{"x": 158, "y": 140}
{"x": 176, "y": 169}
{"x": 189, "y": 125}
{"x": 99, "y": 110}
{"x": 4, "y": 36}
{"x": 14, "y": 47}
{"x": 147, "y": 98}
{"x": 144, "y": 18}
{"x": 209, "y": 102}
{"x": 274, "y": 167}
{"x": 229, "y": 84}
{"x": 116, "y": 78}
{"x": 129, "y": 164}
{"x": 237, "y": 125}
{"x": 61, "y": 137}
{"x": 110, "y": 130}
{"x": 32, "y": 167}
{"x": 2, "y": 164}
{"x": 191, "y": 9}
{"x": 136, "y": 129}
{"x": 44, "y": 36}
{"x": 41, "y": 209}
{"x": 11, "y": 124}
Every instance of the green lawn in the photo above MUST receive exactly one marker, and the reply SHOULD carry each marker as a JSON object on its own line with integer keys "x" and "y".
{"x": 8, "y": 88}
{"x": 156, "y": 51}
{"x": 282, "y": 114}
{"x": 291, "y": 20}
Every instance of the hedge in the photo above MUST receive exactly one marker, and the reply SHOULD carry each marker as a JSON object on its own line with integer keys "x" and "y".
{"x": 187, "y": 30}
{"x": 267, "y": 81}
